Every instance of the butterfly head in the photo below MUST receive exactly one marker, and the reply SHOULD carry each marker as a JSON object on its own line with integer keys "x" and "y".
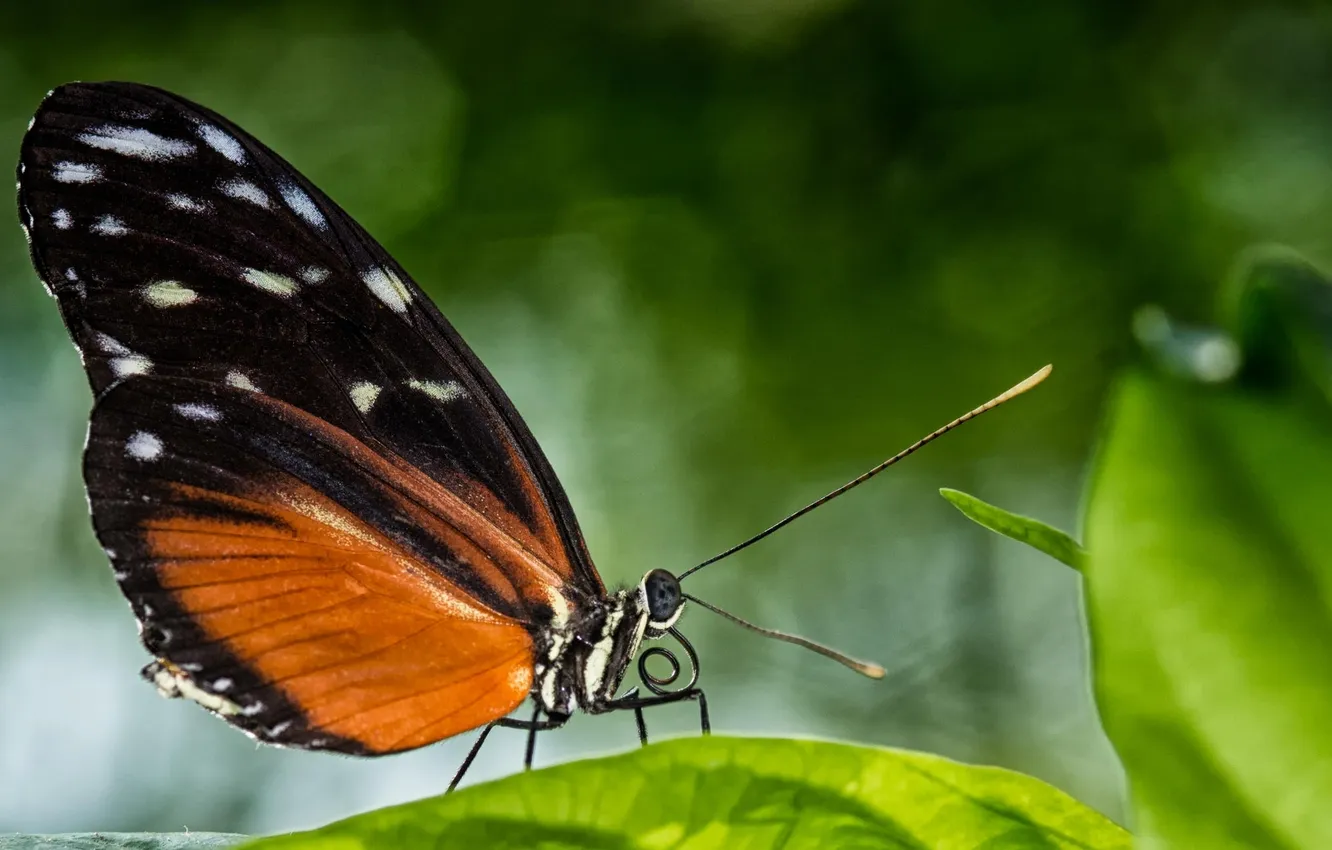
{"x": 663, "y": 599}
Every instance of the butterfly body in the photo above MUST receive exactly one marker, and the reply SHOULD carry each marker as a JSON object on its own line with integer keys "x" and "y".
{"x": 333, "y": 526}
{"x": 576, "y": 667}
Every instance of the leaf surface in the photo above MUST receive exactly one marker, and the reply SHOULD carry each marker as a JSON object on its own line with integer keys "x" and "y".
{"x": 1033, "y": 532}
{"x": 1209, "y": 581}
{"x": 718, "y": 792}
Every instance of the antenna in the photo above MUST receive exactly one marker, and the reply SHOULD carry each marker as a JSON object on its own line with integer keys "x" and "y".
{"x": 1012, "y": 393}
{"x": 864, "y": 668}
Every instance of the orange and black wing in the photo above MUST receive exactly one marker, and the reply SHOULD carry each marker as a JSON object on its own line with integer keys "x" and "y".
{"x": 297, "y": 582}
{"x": 367, "y": 490}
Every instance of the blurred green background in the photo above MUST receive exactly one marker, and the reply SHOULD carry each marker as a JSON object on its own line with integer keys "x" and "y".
{"x": 724, "y": 255}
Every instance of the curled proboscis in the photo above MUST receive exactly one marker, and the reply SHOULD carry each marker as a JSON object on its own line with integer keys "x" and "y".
{"x": 662, "y": 685}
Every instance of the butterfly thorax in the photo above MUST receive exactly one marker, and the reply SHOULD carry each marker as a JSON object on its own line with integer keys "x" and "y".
{"x": 582, "y": 661}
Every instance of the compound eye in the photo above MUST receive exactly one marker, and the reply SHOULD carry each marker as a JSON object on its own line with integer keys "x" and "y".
{"x": 663, "y": 595}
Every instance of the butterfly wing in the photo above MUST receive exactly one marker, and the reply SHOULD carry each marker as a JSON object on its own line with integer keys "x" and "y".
{"x": 180, "y": 249}
{"x": 286, "y": 573}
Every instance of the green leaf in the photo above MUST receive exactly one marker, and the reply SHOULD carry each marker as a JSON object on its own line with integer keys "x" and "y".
{"x": 1033, "y": 532}
{"x": 1209, "y": 586}
{"x": 1280, "y": 309}
{"x": 123, "y": 841}
{"x": 717, "y": 792}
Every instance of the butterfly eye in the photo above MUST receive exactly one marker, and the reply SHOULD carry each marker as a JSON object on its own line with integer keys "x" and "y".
{"x": 663, "y": 596}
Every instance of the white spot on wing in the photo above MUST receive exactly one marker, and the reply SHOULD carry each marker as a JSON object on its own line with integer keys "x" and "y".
{"x": 199, "y": 412}
{"x": 109, "y": 225}
{"x": 363, "y": 395}
{"x": 388, "y": 288}
{"x": 270, "y": 282}
{"x": 76, "y": 172}
{"x": 62, "y": 219}
{"x": 71, "y": 275}
{"x": 130, "y": 364}
{"x": 143, "y": 445}
{"x": 222, "y": 684}
{"x": 222, "y": 142}
{"x": 184, "y": 202}
{"x": 111, "y": 345}
{"x": 169, "y": 293}
{"x": 171, "y": 681}
{"x": 241, "y": 381}
{"x": 445, "y": 391}
{"x": 303, "y": 205}
{"x": 136, "y": 142}
{"x": 247, "y": 191}
{"x": 279, "y": 729}
{"x": 314, "y": 274}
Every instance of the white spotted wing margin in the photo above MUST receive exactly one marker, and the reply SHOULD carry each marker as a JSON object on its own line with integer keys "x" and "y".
{"x": 178, "y": 246}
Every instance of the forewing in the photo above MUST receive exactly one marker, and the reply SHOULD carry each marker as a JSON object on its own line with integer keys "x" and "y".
{"x": 178, "y": 245}
{"x": 289, "y": 578}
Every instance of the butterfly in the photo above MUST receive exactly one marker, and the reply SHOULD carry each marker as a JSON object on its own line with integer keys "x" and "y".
{"x": 332, "y": 525}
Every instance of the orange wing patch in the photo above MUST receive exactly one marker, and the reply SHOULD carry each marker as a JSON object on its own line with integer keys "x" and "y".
{"x": 369, "y": 644}
{"x": 525, "y": 566}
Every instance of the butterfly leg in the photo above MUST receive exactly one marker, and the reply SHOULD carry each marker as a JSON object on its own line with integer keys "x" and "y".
{"x": 642, "y": 725}
{"x": 531, "y": 738}
{"x": 532, "y": 726}
{"x": 471, "y": 756}
{"x": 637, "y": 703}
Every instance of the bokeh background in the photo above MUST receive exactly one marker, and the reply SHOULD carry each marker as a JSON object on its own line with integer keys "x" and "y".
{"x": 724, "y": 255}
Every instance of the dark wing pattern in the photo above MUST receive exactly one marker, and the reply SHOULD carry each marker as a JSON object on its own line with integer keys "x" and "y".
{"x": 185, "y": 255}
